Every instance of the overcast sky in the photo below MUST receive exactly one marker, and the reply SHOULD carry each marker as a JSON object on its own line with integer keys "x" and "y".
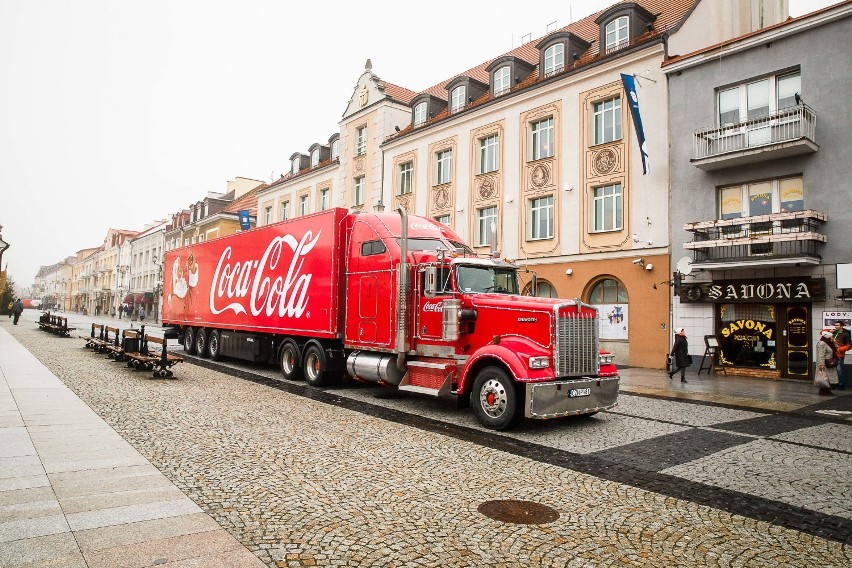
{"x": 117, "y": 113}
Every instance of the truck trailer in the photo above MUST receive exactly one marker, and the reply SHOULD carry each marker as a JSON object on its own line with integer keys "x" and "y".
{"x": 394, "y": 299}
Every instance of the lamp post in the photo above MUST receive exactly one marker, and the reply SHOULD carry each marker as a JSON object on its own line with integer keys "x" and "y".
{"x": 158, "y": 290}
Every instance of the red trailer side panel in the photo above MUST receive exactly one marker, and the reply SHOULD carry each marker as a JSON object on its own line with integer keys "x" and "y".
{"x": 282, "y": 278}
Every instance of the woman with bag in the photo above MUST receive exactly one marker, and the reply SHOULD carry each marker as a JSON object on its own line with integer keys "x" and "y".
{"x": 681, "y": 356}
{"x": 826, "y": 364}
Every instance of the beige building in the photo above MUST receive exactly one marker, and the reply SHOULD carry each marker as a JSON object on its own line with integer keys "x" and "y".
{"x": 539, "y": 142}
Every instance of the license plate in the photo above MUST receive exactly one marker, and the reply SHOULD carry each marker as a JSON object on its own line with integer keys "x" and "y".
{"x": 573, "y": 393}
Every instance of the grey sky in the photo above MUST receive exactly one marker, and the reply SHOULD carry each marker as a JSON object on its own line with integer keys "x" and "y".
{"x": 117, "y": 113}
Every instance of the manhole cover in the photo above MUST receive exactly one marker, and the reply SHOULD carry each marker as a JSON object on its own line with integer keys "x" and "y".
{"x": 518, "y": 512}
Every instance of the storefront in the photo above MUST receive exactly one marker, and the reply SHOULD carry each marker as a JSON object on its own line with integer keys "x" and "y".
{"x": 763, "y": 326}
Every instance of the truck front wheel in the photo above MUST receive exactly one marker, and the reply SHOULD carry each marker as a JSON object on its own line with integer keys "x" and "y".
{"x": 315, "y": 366}
{"x": 495, "y": 400}
{"x": 189, "y": 340}
{"x": 290, "y": 369}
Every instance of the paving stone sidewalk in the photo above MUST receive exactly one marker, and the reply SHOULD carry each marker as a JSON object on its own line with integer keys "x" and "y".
{"x": 74, "y": 493}
{"x": 300, "y": 483}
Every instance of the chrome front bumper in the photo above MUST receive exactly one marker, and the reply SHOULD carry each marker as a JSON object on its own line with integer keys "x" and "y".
{"x": 566, "y": 398}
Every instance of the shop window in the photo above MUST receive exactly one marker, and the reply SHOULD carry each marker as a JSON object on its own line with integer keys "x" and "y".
{"x": 610, "y": 298}
{"x": 747, "y": 336}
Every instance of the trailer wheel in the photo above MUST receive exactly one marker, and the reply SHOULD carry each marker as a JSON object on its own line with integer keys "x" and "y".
{"x": 315, "y": 366}
{"x": 290, "y": 368}
{"x": 189, "y": 340}
{"x": 201, "y": 343}
{"x": 213, "y": 345}
{"x": 495, "y": 400}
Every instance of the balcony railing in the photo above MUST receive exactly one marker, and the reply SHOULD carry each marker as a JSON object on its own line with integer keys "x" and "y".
{"x": 779, "y": 238}
{"x": 788, "y": 132}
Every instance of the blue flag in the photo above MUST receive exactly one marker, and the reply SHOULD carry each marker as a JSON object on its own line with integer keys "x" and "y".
{"x": 633, "y": 100}
{"x": 245, "y": 223}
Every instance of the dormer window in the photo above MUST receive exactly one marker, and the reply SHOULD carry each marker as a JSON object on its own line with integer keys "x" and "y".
{"x": 617, "y": 33}
{"x": 621, "y": 24}
{"x": 296, "y": 163}
{"x": 507, "y": 71}
{"x": 502, "y": 81}
{"x": 315, "y": 158}
{"x": 420, "y": 114}
{"x": 457, "y": 99}
{"x": 554, "y": 59}
{"x": 335, "y": 149}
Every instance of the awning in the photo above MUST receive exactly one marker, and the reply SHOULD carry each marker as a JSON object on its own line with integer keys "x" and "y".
{"x": 138, "y": 298}
{"x": 128, "y": 299}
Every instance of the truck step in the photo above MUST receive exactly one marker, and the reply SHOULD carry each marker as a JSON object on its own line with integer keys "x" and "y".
{"x": 419, "y": 390}
{"x": 430, "y": 376}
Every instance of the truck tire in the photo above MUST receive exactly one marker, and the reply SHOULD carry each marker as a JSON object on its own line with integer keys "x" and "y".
{"x": 290, "y": 368}
{"x": 315, "y": 366}
{"x": 189, "y": 340}
{"x": 214, "y": 346}
{"x": 495, "y": 399}
{"x": 201, "y": 343}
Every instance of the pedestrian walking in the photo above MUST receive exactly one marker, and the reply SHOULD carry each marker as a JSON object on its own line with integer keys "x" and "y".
{"x": 11, "y": 305}
{"x": 17, "y": 309}
{"x": 680, "y": 355}
{"x": 843, "y": 342}
{"x": 826, "y": 374}
{"x": 141, "y": 313}
{"x": 113, "y": 311}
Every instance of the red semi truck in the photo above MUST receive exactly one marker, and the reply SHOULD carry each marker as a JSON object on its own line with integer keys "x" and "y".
{"x": 392, "y": 299}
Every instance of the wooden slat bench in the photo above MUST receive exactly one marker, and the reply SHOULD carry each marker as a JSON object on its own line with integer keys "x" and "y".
{"x": 56, "y": 325}
{"x": 157, "y": 359}
{"x": 97, "y": 340}
{"x": 113, "y": 348}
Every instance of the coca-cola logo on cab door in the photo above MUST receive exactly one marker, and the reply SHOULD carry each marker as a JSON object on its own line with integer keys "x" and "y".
{"x": 258, "y": 285}
{"x": 433, "y": 307}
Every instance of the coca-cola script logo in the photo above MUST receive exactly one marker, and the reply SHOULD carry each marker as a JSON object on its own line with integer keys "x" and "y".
{"x": 433, "y": 307}
{"x": 266, "y": 287}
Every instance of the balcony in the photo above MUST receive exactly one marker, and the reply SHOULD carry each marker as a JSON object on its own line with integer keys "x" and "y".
{"x": 789, "y": 132}
{"x": 776, "y": 239}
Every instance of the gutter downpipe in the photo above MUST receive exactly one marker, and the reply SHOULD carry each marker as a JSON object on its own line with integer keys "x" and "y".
{"x": 403, "y": 293}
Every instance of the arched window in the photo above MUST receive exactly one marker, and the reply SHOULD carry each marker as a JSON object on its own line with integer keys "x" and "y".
{"x": 544, "y": 289}
{"x": 610, "y": 298}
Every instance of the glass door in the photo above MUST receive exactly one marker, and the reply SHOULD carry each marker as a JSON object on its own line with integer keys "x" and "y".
{"x": 798, "y": 348}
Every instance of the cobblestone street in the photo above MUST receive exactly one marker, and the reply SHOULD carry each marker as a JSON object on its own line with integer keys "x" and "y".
{"x": 364, "y": 477}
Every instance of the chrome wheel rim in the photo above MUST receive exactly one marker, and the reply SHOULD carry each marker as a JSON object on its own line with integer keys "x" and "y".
{"x": 288, "y": 362}
{"x": 312, "y": 366}
{"x": 493, "y": 398}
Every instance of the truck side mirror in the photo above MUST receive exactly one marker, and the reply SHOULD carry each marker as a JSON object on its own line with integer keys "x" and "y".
{"x": 431, "y": 284}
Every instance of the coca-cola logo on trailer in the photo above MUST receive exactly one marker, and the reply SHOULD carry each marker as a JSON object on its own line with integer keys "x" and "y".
{"x": 260, "y": 283}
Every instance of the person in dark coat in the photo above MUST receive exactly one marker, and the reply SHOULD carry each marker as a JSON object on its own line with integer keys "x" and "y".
{"x": 680, "y": 355}
{"x": 17, "y": 309}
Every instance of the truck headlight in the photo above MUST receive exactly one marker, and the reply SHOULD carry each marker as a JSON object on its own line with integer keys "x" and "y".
{"x": 605, "y": 359}
{"x": 539, "y": 362}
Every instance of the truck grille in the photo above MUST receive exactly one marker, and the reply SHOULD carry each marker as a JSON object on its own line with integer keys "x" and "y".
{"x": 576, "y": 342}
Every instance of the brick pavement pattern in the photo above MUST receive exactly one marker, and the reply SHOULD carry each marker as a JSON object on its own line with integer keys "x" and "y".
{"x": 303, "y": 483}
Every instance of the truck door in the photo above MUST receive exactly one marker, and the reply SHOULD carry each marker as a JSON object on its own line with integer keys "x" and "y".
{"x": 369, "y": 289}
{"x": 430, "y": 314}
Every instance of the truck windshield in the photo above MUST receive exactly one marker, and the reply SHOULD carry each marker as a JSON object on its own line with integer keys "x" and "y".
{"x": 426, "y": 244}
{"x": 479, "y": 279}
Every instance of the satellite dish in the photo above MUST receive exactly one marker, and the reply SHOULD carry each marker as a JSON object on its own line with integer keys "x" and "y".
{"x": 684, "y": 265}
